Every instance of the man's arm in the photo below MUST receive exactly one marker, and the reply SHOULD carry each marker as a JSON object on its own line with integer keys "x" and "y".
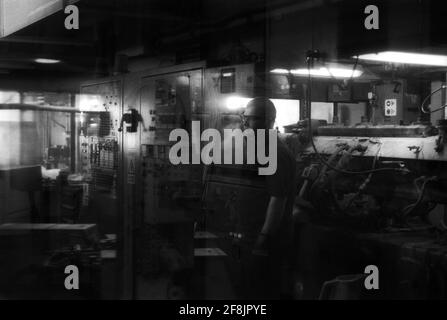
{"x": 273, "y": 217}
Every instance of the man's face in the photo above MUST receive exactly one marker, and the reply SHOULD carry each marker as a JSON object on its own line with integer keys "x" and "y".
{"x": 254, "y": 122}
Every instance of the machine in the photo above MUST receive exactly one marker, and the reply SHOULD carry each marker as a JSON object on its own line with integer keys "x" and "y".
{"x": 373, "y": 158}
{"x": 382, "y": 183}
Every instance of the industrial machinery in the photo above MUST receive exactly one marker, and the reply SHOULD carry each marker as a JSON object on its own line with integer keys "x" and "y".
{"x": 382, "y": 182}
{"x": 150, "y": 204}
{"x": 368, "y": 153}
{"x": 58, "y": 213}
{"x": 153, "y": 206}
{"x": 178, "y": 236}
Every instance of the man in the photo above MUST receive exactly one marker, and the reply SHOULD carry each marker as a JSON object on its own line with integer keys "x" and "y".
{"x": 271, "y": 252}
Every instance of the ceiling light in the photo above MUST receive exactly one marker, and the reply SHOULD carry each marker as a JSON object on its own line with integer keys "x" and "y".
{"x": 46, "y": 61}
{"x": 280, "y": 71}
{"x": 328, "y": 72}
{"x": 407, "y": 58}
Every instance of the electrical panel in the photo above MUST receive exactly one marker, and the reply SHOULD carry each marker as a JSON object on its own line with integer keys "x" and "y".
{"x": 227, "y": 92}
{"x": 168, "y": 102}
{"x": 233, "y": 201}
{"x": 98, "y": 133}
{"x": 396, "y": 104}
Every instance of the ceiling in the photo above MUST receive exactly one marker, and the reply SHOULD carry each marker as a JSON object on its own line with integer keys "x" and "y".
{"x": 153, "y": 28}
{"x": 142, "y": 28}
{"x": 107, "y": 27}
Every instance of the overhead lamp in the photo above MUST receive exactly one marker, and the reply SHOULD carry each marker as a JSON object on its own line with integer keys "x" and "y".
{"x": 406, "y": 58}
{"x": 46, "y": 61}
{"x": 280, "y": 71}
{"x": 330, "y": 72}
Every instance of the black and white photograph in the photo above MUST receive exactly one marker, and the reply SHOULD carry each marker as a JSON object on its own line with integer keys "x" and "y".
{"x": 223, "y": 154}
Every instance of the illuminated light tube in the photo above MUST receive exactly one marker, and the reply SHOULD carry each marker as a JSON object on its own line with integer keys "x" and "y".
{"x": 407, "y": 58}
{"x": 328, "y": 72}
{"x": 46, "y": 61}
{"x": 235, "y": 103}
{"x": 280, "y": 71}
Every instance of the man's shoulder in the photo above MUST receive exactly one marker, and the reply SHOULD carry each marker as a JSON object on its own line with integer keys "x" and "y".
{"x": 284, "y": 154}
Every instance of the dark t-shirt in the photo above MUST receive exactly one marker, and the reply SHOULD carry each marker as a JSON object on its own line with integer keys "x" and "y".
{"x": 282, "y": 184}
{"x": 264, "y": 276}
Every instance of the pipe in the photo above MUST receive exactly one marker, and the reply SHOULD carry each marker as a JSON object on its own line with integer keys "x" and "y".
{"x": 48, "y": 41}
{"x": 33, "y": 107}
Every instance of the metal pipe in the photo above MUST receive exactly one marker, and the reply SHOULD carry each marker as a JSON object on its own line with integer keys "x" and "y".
{"x": 48, "y": 41}
{"x": 33, "y": 107}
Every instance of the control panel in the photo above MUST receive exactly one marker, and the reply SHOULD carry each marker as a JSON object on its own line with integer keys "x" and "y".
{"x": 98, "y": 133}
{"x": 168, "y": 102}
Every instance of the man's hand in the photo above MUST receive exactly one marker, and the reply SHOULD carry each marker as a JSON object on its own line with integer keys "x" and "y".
{"x": 271, "y": 225}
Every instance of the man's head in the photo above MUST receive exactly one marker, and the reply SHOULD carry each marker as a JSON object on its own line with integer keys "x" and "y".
{"x": 260, "y": 113}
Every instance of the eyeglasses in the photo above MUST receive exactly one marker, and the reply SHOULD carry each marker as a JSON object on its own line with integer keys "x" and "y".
{"x": 245, "y": 118}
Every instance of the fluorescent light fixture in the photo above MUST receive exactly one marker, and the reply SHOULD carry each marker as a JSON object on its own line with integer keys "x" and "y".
{"x": 46, "y": 61}
{"x": 18, "y": 14}
{"x": 407, "y": 58}
{"x": 235, "y": 103}
{"x": 324, "y": 72}
{"x": 280, "y": 71}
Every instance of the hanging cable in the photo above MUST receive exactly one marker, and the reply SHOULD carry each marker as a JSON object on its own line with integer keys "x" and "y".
{"x": 410, "y": 208}
{"x": 366, "y": 182}
{"x": 428, "y": 97}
